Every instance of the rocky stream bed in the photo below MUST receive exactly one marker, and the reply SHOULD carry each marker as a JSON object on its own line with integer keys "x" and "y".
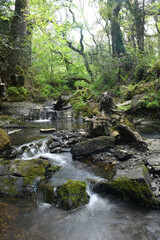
{"x": 74, "y": 166}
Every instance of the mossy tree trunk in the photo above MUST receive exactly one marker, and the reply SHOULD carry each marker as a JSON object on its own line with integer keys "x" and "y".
{"x": 137, "y": 9}
{"x": 17, "y": 39}
{"x": 116, "y": 33}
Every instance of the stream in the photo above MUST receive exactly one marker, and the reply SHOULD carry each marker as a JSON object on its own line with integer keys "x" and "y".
{"x": 103, "y": 218}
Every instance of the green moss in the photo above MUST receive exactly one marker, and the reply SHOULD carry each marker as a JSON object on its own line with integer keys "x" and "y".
{"x": 16, "y": 94}
{"x": 54, "y": 168}
{"x": 5, "y": 162}
{"x": 128, "y": 123}
{"x": 125, "y": 107}
{"x": 31, "y": 169}
{"x": 34, "y": 167}
{"x": 85, "y": 101}
{"x": 7, "y": 186}
{"x": 72, "y": 194}
{"x": 134, "y": 190}
{"x": 4, "y": 141}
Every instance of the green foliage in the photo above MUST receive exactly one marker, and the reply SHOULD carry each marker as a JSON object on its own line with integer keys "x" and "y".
{"x": 152, "y": 101}
{"x": 18, "y": 90}
{"x": 17, "y": 94}
{"x": 125, "y": 107}
{"x": 80, "y": 102}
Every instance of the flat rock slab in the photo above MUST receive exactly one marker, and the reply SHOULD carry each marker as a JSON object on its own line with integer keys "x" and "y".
{"x": 139, "y": 173}
{"x": 154, "y": 162}
{"x": 93, "y": 145}
{"x": 153, "y": 144}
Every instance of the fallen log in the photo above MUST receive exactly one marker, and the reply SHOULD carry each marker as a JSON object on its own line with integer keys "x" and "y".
{"x": 49, "y": 130}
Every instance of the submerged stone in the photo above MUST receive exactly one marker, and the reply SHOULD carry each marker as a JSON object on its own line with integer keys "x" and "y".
{"x": 71, "y": 195}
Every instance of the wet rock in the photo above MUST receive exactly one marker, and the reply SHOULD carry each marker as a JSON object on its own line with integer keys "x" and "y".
{"x": 153, "y": 186}
{"x": 149, "y": 126}
{"x": 74, "y": 140}
{"x": 98, "y": 186}
{"x": 55, "y": 150}
{"x": 93, "y": 145}
{"x": 71, "y": 195}
{"x": 54, "y": 145}
{"x": 122, "y": 154}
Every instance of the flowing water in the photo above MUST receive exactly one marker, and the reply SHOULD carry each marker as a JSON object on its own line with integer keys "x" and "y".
{"x": 103, "y": 218}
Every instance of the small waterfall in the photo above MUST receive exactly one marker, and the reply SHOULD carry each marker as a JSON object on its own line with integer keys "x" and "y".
{"x": 33, "y": 149}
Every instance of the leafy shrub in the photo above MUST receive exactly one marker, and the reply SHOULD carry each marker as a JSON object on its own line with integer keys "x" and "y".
{"x": 152, "y": 101}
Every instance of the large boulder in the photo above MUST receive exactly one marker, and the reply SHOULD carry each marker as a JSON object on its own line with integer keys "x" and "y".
{"x": 5, "y": 143}
{"x": 134, "y": 185}
{"x": 93, "y": 145}
{"x": 130, "y": 185}
{"x": 71, "y": 195}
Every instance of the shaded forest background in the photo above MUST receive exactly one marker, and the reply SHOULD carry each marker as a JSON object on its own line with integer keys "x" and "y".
{"x": 53, "y": 47}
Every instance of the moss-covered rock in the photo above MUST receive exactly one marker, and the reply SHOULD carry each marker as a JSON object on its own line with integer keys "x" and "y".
{"x": 133, "y": 190}
{"x": 5, "y": 143}
{"x": 23, "y": 177}
{"x": 71, "y": 195}
{"x": 11, "y": 186}
{"x": 31, "y": 169}
{"x": 130, "y": 184}
{"x": 128, "y": 92}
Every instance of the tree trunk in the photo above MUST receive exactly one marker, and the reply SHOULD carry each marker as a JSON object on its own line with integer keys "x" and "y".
{"x": 139, "y": 17}
{"x": 116, "y": 33}
{"x": 18, "y": 34}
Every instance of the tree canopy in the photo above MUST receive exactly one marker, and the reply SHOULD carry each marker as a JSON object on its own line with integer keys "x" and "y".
{"x": 61, "y": 45}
